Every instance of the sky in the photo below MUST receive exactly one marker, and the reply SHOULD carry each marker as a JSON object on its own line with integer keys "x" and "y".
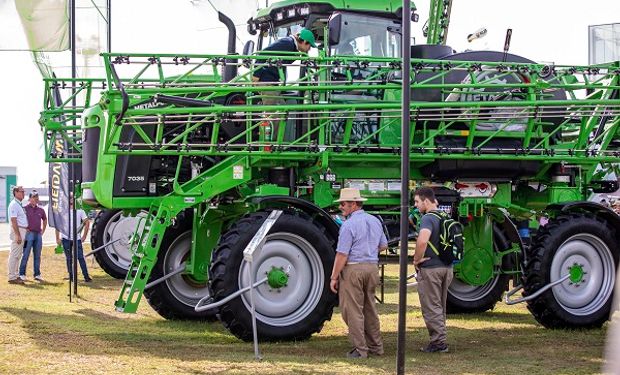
{"x": 543, "y": 30}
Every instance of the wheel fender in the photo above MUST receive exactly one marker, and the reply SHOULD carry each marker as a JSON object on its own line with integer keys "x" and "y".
{"x": 509, "y": 228}
{"x": 610, "y": 216}
{"x": 308, "y": 207}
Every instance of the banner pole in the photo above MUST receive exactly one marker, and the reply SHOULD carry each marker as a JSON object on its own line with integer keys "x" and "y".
{"x": 404, "y": 189}
{"x": 73, "y": 212}
{"x": 109, "y": 26}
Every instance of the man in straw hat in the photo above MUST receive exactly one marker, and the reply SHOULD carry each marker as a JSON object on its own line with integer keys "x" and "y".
{"x": 355, "y": 274}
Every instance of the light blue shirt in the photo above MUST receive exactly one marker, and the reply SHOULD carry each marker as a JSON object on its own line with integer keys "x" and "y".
{"x": 360, "y": 237}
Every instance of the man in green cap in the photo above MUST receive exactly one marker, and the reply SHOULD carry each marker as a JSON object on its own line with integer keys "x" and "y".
{"x": 300, "y": 42}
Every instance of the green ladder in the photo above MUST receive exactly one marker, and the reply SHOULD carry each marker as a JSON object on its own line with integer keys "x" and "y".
{"x": 144, "y": 257}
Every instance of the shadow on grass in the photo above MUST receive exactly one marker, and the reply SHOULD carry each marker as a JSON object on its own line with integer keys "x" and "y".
{"x": 102, "y": 282}
{"x": 490, "y": 316}
{"x": 97, "y": 333}
{"x": 40, "y": 284}
{"x": 496, "y": 317}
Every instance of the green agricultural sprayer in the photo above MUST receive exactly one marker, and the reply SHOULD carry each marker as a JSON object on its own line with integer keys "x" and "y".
{"x": 179, "y": 147}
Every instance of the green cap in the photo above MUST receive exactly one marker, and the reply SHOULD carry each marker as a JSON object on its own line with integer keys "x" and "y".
{"x": 306, "y": 35}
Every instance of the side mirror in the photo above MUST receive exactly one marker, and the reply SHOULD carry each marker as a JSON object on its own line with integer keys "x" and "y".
{"x": 248, "y": 48}
{"x": 334, "y": 25}
{"x": 252, "y": 29}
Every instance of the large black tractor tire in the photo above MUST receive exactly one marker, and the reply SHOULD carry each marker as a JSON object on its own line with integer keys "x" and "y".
{"x": 293, "y": 312}
{"x": 578, "y": 241}
{"x": 110, "y": 225}
{"x": 176, "y": 297}
{"x": 465, "y": 298}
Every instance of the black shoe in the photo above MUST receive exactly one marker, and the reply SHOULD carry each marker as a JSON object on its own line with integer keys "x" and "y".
{"x": 432, "y": 348}
{"x": 88, "y": 279}
{"x": 355, "y": 354}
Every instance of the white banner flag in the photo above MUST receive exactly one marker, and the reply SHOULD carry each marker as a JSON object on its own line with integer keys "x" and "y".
{"x": 34, "y": 25}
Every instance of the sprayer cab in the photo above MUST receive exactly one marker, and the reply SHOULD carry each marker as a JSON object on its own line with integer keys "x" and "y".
{"x": 288, "y": 17}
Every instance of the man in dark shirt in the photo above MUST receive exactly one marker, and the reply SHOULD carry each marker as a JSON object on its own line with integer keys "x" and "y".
{"x": 300, "y": 42}
{"x": 37, "y": 223}
{"x": 434, "y": 276}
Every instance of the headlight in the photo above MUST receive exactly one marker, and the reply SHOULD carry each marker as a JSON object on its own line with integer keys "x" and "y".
{"x": 290, "y": 13}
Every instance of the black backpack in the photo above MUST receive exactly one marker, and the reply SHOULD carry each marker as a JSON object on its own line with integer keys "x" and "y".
{"x": 450, "y": 247}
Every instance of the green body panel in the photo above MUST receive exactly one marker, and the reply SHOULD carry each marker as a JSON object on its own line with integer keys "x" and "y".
{"x": 527, "y": 196}
{"x": 206, "y": 230}
{"x": 269, "y": 189}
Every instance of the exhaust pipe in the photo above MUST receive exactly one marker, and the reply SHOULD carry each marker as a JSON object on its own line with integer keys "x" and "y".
{"x": 230, "y": 69}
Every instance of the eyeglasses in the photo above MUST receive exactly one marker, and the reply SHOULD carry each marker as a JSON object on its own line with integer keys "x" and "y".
{"x": 20, "y": 191}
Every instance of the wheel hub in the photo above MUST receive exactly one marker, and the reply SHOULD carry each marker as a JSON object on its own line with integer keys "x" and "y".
{"x": 476, "y": 268}
{"x": 576, "y": 274}
{"x": 277, "y": 278}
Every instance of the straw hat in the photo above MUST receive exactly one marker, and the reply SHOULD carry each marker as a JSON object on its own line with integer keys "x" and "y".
{"x": 350, "y": 195}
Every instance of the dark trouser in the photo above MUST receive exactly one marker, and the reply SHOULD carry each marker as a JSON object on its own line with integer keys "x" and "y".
{"x": 34, "y": 242}
{"x": 66, "y": 244}
{"x": 357, "y": 304}
{"x": 433, "y": 286}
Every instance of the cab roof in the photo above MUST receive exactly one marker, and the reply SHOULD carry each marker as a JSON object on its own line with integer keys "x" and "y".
{"x": 374, "y": 6}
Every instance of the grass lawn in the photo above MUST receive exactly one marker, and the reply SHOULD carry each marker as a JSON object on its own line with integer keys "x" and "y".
{"x": 41, "y": 332}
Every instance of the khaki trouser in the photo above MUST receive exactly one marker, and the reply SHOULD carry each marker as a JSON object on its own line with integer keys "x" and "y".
{"x": 433, "y": 286}
{"x": 356, "y": 292}
{"x": 15, "y": 256}
{"x": 269, "y": 97}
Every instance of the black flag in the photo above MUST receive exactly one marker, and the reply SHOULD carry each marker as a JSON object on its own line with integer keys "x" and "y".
{"x": 58, "y": 208}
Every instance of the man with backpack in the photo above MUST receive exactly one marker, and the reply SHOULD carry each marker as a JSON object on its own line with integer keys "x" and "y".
{"x": 433, "y": 263}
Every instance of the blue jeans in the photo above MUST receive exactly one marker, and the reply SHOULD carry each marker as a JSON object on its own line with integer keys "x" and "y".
{"x": 34, "y": 242}
{"x": 66, "y": 244}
